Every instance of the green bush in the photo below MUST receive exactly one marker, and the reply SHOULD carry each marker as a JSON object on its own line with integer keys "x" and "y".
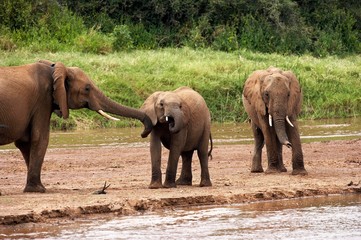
{"x": 94, "y": 41}
{"x": 225, "y": 39}
{"x": 122, "y": 39}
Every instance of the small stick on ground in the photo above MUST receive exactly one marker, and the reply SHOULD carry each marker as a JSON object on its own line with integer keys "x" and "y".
{"x": 102, "y": 191}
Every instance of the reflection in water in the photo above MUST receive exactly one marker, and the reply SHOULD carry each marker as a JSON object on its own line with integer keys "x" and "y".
{"x": 335, "y": 217}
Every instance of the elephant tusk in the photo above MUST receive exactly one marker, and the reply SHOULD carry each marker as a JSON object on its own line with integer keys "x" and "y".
{"x": 107, "y": 115}
{"x": 270, "y": 120}
{"x": 289, "y": 121}
{"x": 166, "y": 118}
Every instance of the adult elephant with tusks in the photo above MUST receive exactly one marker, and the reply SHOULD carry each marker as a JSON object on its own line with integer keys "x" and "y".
{"x": 28, "y": 96}
{"x": 182, "y": 123}
{"x": 272, "y": 98}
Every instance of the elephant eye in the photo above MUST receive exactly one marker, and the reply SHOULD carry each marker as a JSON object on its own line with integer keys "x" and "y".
{"x": 161, "y": 104}
{"x": 266, "y": 94}
{"x": 87, "y": 88}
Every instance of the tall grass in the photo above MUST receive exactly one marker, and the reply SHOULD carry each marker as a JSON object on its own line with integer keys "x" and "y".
{"x": 331, "y": 85}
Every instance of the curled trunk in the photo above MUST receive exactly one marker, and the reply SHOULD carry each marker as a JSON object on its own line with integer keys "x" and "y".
{"x": 280, "y": 129}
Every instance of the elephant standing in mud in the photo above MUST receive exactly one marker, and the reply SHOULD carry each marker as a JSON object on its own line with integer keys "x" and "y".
{"x": 28, "y": 96}
{"x": 182, "y": 123}
{"x": 272, "y": 98}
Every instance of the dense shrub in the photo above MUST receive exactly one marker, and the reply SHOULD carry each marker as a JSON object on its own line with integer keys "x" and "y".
{"x": 320, "y": 27}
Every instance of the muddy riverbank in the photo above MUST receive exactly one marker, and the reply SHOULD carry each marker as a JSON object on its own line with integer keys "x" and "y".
{"x": 72, "y": 175}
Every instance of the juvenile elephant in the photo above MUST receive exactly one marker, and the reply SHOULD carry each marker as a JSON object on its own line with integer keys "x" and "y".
{"x": 182, "y": 123}
{"x": 271, "y": 98}
{"x": 28, "y": 96}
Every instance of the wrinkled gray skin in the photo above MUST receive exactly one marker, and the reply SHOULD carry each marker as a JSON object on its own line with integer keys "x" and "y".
{"x": 28, "y": 96}
{"x": 182, "y": 123}
{"x": 274, "y": 93}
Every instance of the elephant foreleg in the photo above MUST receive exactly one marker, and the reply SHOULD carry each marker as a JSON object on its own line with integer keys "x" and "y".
{"x": 171, "y": 171}
{"x": 186, "y": 174}
{"x": 155, "y": 155}
{"x": 281, "y": 165}
{"x": 271, "y": 141}
{"x": 257, "y": 153}
{"x": 297, "y": 155}
{"x": 33, "y": 153}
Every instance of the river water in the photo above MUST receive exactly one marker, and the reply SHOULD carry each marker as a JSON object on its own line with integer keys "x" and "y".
{"x": 333, "y": 217}
{"x": 240, "y": 133}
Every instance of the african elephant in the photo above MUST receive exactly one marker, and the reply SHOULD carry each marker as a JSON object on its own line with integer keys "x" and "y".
{"x": 181, "y": 122}
{"x": 271, "y": 98}
{"x": 28, "y": 96}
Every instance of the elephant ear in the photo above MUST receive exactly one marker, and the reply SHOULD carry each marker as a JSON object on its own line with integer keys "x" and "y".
{"x": 59, "y": 94}
{"x": 295, "y": 99}
{"x": 47, "y": 62}
{"x": 149, "y": 107}
{"x": 252, "y": 91}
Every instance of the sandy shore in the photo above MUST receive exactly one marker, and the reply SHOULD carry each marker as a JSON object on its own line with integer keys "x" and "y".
{"x": 71, "y": 177}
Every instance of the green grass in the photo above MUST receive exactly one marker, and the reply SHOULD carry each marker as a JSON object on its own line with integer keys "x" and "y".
{"x": 331, "y": 85}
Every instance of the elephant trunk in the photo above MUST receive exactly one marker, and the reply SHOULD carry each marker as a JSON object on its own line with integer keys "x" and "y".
{"x": 110, "y": 106}
{"x": 280, "y": 128}
{"x": 175, "y": 121}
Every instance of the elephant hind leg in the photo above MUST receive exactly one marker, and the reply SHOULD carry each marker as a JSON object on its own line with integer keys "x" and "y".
{"x": 203, "y": 159}
{"x": 186, "y": 174}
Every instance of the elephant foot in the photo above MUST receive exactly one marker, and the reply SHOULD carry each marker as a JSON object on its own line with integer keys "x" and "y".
{"x": 272, "y": 170}
{"x": 184, "y": 181}
{"x": 205, "y": 183}
{"x": 34, "y": 188}
{"x": 302, "y": 172}
{"x": 155, "y": 185}
{"x": 283, "y": 168}
{"x": 169, "y": 185}
{"x": 257, "y": 170}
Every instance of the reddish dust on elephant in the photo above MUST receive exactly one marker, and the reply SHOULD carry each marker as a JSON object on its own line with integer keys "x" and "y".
{"x": 29, "y": 94}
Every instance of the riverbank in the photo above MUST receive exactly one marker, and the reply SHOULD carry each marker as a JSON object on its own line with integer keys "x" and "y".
{"x": 72, "y": 175}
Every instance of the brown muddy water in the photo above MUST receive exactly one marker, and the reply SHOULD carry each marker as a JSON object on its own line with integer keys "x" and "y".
{"x": 240, "y": 133}
{"x": 332, "y": 217}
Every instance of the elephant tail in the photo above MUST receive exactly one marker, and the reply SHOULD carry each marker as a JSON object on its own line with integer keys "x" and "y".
{"x": 210, "y": 151}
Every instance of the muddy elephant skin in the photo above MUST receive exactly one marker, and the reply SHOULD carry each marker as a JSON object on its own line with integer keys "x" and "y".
{"x": 272, "y": 98}
{"x": 28, "y": 96}
{"x": 182, "y": 123}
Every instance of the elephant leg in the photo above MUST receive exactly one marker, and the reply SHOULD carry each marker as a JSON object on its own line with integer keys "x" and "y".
{"x": 186, "y": 174}
{"x": 272, "y": 151}
{"x": 297, "y": 155}
{"x": 203, "y": 159}
{"x": 281, "y": 165}
{"x": 258, "y": 146}
{"x": 33, "y": 153}
{"x": 171, "y": 171}
{"x": 155, "y": 155}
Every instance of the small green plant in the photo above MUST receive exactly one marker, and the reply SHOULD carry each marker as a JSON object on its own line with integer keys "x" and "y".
{"x": 94, "y": 41}
{"x": 122, "y": 38}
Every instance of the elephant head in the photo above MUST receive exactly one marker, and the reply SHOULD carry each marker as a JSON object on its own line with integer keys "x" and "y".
{"x": 275, "y": 95}
{"x": 73, "y": 89}
{"x": 167, "y": 108}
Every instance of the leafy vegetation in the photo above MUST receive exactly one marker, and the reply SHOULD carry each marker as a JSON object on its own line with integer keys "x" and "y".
{"x": 331, "y": 85}
{"x": 133, "y": 48}
{"x": 320, "y": 28}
